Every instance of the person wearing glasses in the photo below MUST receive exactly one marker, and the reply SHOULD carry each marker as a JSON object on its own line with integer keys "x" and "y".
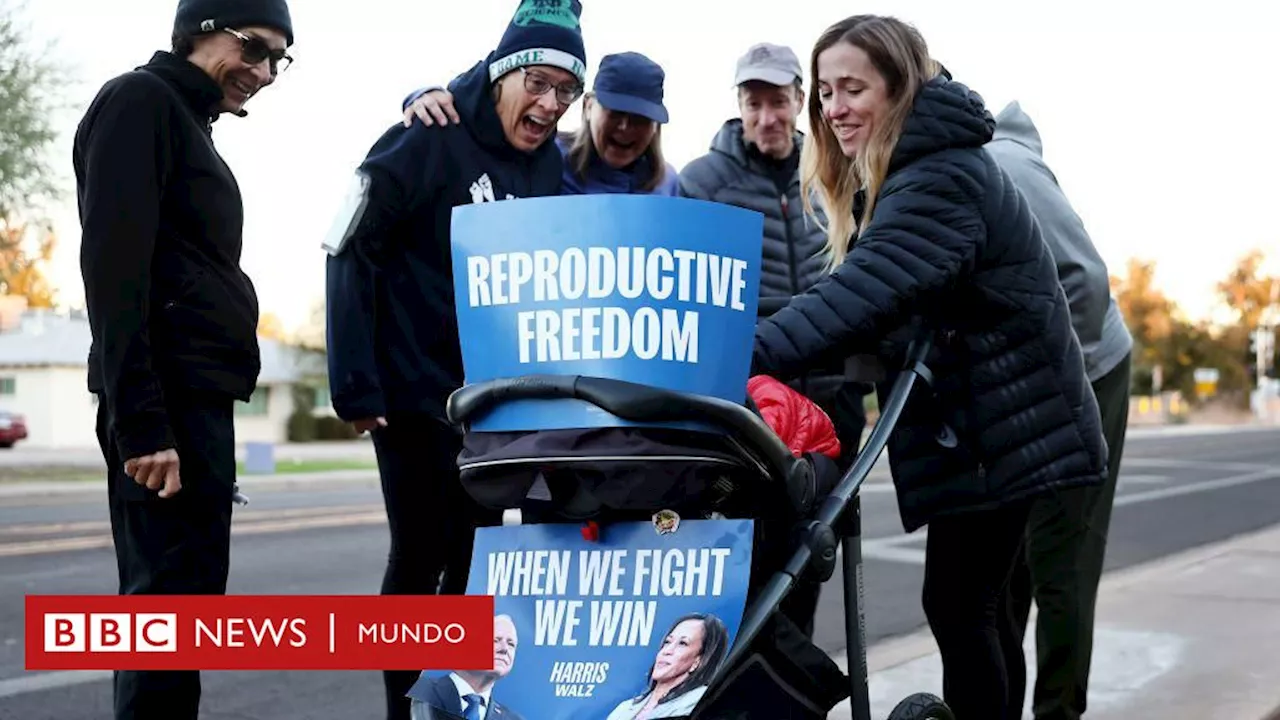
{"x": 392, "y": 333}
{"x": 618, "y": 146}
{"x": 173, "y": 318}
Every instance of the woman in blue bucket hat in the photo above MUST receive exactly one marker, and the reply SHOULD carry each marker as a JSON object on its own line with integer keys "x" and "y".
{"x": 617, "y": 149}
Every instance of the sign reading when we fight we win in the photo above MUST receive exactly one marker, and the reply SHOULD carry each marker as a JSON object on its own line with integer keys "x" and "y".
{"x": 654, "y": 290}
{"x": 642, "y": 618}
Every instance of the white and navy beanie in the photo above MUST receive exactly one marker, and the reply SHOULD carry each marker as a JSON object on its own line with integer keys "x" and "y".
{"x": 543, "y": 32}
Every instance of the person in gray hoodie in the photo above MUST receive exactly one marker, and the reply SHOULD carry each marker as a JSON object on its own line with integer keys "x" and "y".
{"x": 1067, "y": 532}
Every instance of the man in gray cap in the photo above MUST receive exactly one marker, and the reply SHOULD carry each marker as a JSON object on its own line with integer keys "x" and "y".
{"x": 754, "y": 163}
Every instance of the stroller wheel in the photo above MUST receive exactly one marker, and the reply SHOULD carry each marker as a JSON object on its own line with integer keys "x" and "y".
{"x": 922, "y": 706}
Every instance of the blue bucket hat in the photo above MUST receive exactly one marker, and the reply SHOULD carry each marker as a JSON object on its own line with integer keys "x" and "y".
{"x": 632, "y": 83}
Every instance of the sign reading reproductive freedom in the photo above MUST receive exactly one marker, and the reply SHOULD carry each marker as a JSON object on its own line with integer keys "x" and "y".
{"x": 597, "y": 630}
{"x": 654, "y": 290}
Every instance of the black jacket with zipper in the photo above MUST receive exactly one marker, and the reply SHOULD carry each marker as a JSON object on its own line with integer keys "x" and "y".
{"x": 392, "y": 325}
{"x": 952, "y": 244}
{"x": 161, "y": 221}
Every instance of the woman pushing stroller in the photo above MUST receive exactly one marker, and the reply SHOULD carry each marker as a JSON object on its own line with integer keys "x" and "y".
{"x": 926, "y": 232}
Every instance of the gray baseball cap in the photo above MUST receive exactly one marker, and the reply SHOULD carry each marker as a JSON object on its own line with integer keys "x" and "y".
{"x": 774, "y": 64}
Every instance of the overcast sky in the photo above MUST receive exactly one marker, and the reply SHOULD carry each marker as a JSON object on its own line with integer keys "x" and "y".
{"x": 1159, "y": 122}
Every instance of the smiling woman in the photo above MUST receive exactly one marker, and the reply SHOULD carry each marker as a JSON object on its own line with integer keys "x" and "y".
{"x": 241, "y": 60}
{"x": 173, "y": 317}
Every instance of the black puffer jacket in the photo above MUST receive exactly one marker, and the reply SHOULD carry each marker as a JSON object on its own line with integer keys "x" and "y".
{"x": 954, "y": 245}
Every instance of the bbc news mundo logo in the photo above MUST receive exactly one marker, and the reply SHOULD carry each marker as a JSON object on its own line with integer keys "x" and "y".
{"x": 110, "y": 632}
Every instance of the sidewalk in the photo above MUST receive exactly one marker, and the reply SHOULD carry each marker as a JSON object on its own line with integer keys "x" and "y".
{"x": 1194, "y": 636}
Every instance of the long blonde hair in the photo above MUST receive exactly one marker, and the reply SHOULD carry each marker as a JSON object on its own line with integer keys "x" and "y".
{"x": 899, "y": 53}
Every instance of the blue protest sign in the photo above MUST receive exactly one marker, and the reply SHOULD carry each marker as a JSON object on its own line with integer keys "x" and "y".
{"x": 586, "y": 630}
{"x": 651, "y": 289}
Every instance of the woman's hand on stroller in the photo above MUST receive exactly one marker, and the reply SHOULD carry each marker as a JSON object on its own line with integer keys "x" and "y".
{"x": 801, "y": 423}
{"x": 365, "y": 425}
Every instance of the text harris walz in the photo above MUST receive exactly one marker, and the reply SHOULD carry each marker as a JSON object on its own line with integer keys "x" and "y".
{"x": 601, "y": 273}
{"x": 641, "y": 576}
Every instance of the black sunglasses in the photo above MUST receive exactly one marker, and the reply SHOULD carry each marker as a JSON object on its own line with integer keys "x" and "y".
{"x": 254, "y": 50}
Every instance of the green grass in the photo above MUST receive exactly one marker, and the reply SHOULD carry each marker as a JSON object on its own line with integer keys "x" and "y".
{"x": 284, "y": 466}
{"x": 38, "y": 473}
{"x": 25, "y": 473}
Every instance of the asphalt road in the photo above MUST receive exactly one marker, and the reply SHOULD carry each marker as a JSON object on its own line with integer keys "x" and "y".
{"x": 1176, "y": 492}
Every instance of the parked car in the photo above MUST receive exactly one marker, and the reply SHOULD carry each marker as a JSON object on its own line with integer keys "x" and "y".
{"x": 13, "y": 427}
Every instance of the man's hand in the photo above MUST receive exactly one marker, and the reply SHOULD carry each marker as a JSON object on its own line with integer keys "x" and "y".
{"x": 157, "y": 471}
{"x": 432, "y": 108}
{"x": 367, "y": 424}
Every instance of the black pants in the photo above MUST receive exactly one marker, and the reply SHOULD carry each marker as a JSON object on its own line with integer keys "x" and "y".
{"x": 432, "y": 522}
{"x": 966, "y": 579}
{"x": 1066, "y": 541}
{"x": 174, "y": 546}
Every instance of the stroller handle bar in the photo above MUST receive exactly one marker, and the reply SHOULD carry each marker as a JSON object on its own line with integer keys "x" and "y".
{"x": 633, "y": 402}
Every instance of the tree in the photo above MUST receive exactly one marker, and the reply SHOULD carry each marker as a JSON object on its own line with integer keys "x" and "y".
{"x": 29, "y": 99}
{"x": 22, "y": 271}
{"x": 1247, "y": 290}
{"x": 271, "y": 327}
{"x": 312, "y": 335}
{"x": 1151, "y": 317}
{"x": 1164, "y": 339}
{"x": 28, "y": 87}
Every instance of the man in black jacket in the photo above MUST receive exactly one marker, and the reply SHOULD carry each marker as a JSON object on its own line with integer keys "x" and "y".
{"x": 754, "y": 163}
{"x": 393, "y": 346}
{"x": 174, "y": 319}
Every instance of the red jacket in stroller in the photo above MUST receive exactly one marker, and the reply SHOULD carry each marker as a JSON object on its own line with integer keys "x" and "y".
{"x": 801, "y": 424}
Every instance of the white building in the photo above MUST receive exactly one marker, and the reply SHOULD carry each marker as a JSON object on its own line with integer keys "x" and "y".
{"x": 43, "y": 376}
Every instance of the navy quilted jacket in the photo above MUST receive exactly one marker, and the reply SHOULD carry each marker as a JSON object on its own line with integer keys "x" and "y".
{"x": 952, "y": 244}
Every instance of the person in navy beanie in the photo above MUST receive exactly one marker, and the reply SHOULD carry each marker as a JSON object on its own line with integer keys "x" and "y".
{"x": 618, "y": 147}
{"x": 173, "y": 317}
{"x": 392, "y": 333}
{"x": 542, "y": 32}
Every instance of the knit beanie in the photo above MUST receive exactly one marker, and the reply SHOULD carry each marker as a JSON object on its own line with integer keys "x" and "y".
{"x": 543, "y": 32}
{"x": 196, "y": 17}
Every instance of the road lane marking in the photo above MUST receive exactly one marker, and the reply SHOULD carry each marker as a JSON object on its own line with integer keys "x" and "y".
{"x": 1175, "y": 464}
{"x": 35, "y": 682}
{"x": 42, "y": 547}
{"x": 1197, "y": 487}
{"x": 239, "y": 517}
{"x": 1143, "y": 479}
{"x": 902, "y": 548}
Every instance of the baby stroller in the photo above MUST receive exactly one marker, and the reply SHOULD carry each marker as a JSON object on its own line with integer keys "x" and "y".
{"x": 772, "y": 671}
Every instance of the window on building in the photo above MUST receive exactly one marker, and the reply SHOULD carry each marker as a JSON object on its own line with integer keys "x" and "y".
{"x": 8, "y": 386}
{"x": 322, "y": 399}
{"x": 257, "y": 405}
